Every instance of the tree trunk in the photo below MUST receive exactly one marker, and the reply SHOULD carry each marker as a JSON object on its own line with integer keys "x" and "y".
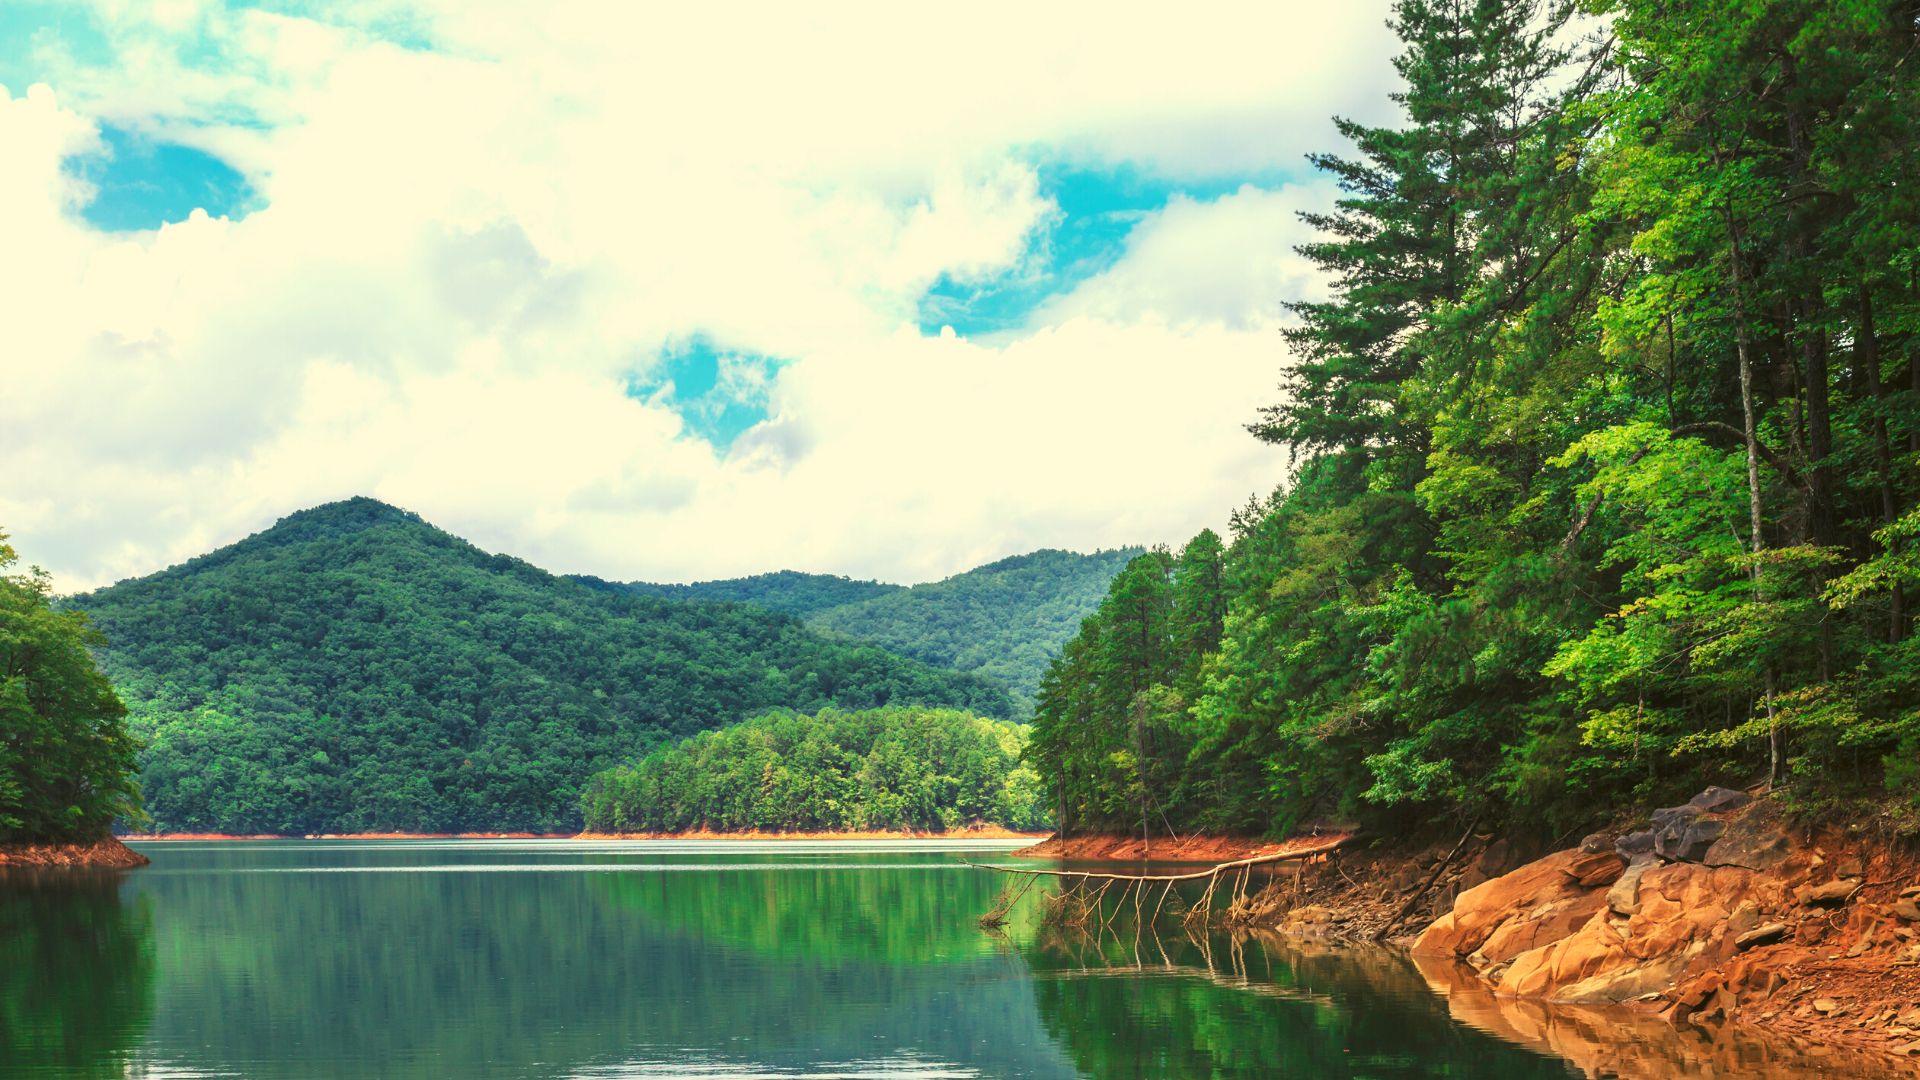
{"x": 1750, "y": 431}
{"x": 1867, "y": 350}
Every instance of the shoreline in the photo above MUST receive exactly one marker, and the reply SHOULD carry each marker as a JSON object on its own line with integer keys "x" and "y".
{"x": 1742, "y": 920}
{"x": 691, "y": 834}
{"x": 978, "y": 833}
{"x": 104, "y": 854}
{"x": 191, "y": 836}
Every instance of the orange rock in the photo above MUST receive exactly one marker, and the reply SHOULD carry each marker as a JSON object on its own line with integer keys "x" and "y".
{"x": 1481, "y": 910}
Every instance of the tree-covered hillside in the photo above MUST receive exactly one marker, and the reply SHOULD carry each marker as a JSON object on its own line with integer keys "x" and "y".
{"x": 354, "y": 668}
{"x": 1005, "y": 620}
{"x": 895, "y": 768}
{"x": 66, "y": 757}
{"x": 788, "y": 591}
{"x": 1607, "y": 450}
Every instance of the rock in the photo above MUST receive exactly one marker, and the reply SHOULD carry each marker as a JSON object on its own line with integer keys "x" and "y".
{"x": 1755, "y": 840}
{"x": 1908, "y": 910}
{"x": 1760, "y": 935}
{"x": 1832, "y": 894}
{"x": 1542, "y": 926}
{"x": 1481, "y": 910}
{"x": 1687, "y": 839}
{"x": 1634, "y": 844}
{"x": 1622, "y": 984}
{"x": 1825, "y": 1005}
{"x": 1668, "y": 816}
{"x": 1909, "y": 1050}
{"x": 1717, "y": 800}
{"x": 1595, "y": 870}
{"x": 1624, "y": 896}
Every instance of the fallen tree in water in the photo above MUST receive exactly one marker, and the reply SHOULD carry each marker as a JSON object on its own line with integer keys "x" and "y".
{"x": 1081, "y": 902}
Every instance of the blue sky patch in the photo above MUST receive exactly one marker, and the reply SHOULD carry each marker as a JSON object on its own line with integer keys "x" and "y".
{"x": 1097, "y": 209}
{"x": 718, "y": 393}
{"x": 144, "y": 184}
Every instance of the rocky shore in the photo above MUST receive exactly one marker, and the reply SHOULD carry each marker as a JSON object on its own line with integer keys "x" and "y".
{"x": 1717, "y": 911}
{"x": 107, "y": 854}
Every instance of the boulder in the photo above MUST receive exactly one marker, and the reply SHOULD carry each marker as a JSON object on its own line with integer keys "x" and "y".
{"x": 1595, "y": 870}
{"x": 1832, "y": 894}
{"x": 1761, "y": 935}
{"x": 1634, "y": 844}
{"x": 1481, "y": 910}
{"x": 1624, "y": 896}
{"x": 1755, "y": 840}
{"x": 1716, "y": 800}
{"x": 1908, "y": 910}
{"x": 1685, "y": 839}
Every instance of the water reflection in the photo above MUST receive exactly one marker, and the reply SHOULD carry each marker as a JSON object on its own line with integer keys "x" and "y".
{"x": 643, "y": 960}
{"x": 76, "y": 973}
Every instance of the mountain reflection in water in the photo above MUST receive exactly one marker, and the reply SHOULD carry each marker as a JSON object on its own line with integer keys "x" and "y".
{"x": 563, "y": 959}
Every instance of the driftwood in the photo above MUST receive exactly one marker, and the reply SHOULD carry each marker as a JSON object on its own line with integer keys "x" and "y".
{"x": 1214, "y": 871}
{"x": 1085, "y": 905}
{"x": 1407, "y": 908}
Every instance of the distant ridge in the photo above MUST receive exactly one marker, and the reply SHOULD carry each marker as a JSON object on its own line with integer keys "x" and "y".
{"x": 355, "y": 669}
{"x": 1005, "y": 620}
{"x": 788, "y": 591}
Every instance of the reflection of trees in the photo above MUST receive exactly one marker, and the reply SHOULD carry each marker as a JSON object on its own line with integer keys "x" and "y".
{"x": 538, "y": 974}
{"x": 1260, "y": 1004}
{"x": 76, "y": 973}
{"x": 849, "y": 912}
{"x": 1173, "y": 1006}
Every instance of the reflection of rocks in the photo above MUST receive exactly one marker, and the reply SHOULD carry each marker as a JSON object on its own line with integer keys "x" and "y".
{"x": 1636, "y": 1046}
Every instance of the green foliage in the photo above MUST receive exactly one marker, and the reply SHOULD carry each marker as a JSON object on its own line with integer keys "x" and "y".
{"x": 1004, "y": 621}
{"x": 892, "y": 768}
{"x": 66, "y": 758}
{"x": 787, "y": 591}
{"x": 355, "y": 669}
{"x": 1606, "y": 447}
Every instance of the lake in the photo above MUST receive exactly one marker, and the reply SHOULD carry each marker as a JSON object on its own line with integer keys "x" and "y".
{"x": 719, "y": 960}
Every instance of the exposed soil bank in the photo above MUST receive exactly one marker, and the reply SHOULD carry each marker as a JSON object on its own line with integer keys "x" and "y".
{"x": 353, "y": 836}
{"x": 1722, "y": 914}
{"x": 981, "y": 832}
{"x": 1132, "y": 849}
{"x": 107, "y": 854}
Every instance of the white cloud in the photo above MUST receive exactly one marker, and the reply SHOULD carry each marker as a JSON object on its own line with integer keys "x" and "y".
{"x": 465, "y": 253}
{"x": 1230, "y": 262}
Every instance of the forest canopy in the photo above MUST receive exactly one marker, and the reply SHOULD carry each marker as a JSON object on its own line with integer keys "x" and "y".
{"x": 927, "y": 770}
{"x": 1606, "y": 448}
{"x": 66, "y": 757}
{"x": 355, "y": 669}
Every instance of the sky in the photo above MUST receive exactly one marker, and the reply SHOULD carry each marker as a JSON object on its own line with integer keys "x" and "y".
{"x": 886, "y": 290}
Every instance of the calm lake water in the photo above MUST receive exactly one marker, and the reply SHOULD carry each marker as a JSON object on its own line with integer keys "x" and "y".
{"x": 648, "y": 959}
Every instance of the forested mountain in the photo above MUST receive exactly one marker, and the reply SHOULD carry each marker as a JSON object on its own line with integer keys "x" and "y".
{"x": 895, "y": 768}
{"x": 355, "y": 669}
{"x": 1607, "y": 449}
{"x": 1005, "y": 620}
{"x": 788, "y": 591}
